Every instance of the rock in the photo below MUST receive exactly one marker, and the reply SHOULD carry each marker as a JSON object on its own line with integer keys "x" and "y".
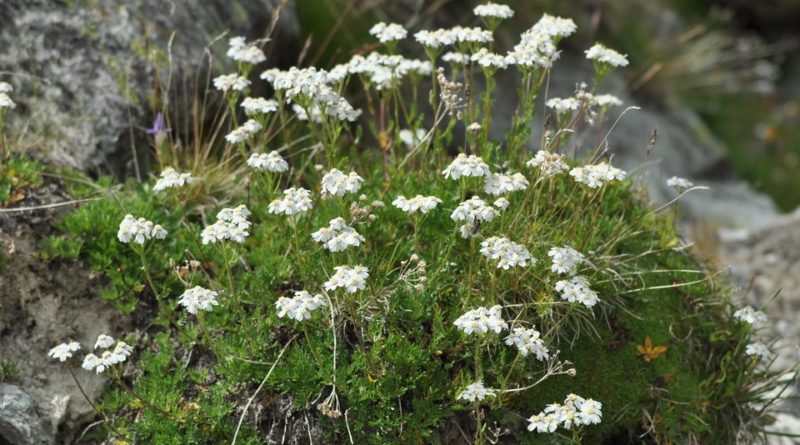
{"x": 41, "y": 305}
{"x": 19, "y": 422}
{"x": 83, "y": 70}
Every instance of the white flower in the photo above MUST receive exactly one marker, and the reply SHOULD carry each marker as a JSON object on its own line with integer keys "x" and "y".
{"x": 104, "y": 341}
{"x": 550, "y": 164}
{"x": 227, "y": 82}
{"x": 316, "y": 113}
{"x": 419, "y": 203}
{"x": 476, "y": 392}
{"x": 543, "y": 423}
{"x": 501, "y": 203}
{"x": 481, "y": 321}
{"x": 595, "y": 176}
{"x": 494, "y": 10}
{"x": 590, "y": 412}
{"x": 271, "y": 162}
{"x": 500, "y": 184}
{"x": 487, "y": 59}
{"x": 295, "y": 200}
{"x": 6, "y": 87}
{"x": 259, "y": 105}
{"x": 565, "y": 260}
{"x": 474, "y": 127}
{"x": 306, "y": 82}
{"x": 300, "y": 306}
{"x": 64, "y": 351}
{"x": 577, "y": 290}
{"x": 456, "y": 58}
{"x": 471, "y": 35}
{"x": 388, "y": 32}
{"x": 679, "y": 183}
{"x": 336, "y": 183}
{"x": 349, "y": 278}
{"x": 232, "y": 224}
{"x": 108, "y": 359}
{"x": 198, "y": 299}
{"x": 139, "y": 230}
{"x": 240, "y": 51}
{"x": 474, "y": 210}
{"x": 464, "y": 165}
{"x": 435, "y": 39}
{"x": 750, "y": 315}
{"x": 551, "y": 26}
{"x": 338, "y": 236}
{"x": 606, "y": 100}
{"x": 172, "y": 179}
{"x": 528, "y": 341}
{"x": 757, "y": 349}
{"x": 562, "y": 106}
{"x": 508, "y": 253}
{"x": 6, "y": 102}
{"x": 601, "y": 54}
{"x": 91, "y": 362}
{"x": 410, "y": 138}
{"x": 241, "y": 134}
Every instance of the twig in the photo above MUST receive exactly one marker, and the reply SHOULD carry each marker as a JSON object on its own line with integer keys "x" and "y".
{"x": 47, "y": 206}
{"x": 244, "y": 411}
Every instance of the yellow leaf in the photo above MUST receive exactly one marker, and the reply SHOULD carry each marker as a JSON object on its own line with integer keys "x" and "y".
{"x": 648, "y": 351}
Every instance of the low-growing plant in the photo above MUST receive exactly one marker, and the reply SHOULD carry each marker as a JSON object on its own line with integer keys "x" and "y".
{"x": 354, "y": 282}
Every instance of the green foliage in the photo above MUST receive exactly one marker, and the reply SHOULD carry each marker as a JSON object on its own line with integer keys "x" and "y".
{"x": 9, "y": 371}
{"x": 17, "y": 175}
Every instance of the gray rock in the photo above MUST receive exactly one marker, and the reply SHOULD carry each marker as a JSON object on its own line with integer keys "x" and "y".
{"x": 83, "y": 70}
{"x": 19, "y": 422}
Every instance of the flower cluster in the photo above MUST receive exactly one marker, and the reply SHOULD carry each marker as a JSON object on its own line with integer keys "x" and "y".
{"x": 489, "y": 60}
{"x": 473, "y": 212}
{"x": 295, "y": 200}
{"x": 241, "y": 51}
{"x": 172, "y": 179}
{"x": 481, "y": 321}
{"x": 228, "y": 82}
{"x": 198, "y": 298}
{"x": 351, "y": 279}
{"x": 594, "y": 176}
{"x": 750, "y": 315}
{"x": 466, "y": 166}
{"x": 563, "y": 106}
{"x": 64, "y": 351}
{"x": 108, "y": 358}
{"x": 271, "y": 162}
{"x": 500, "y": 184}
{"x": 242, "y": 133}
{"x": 476, "y": 392}
{"x": 550, "y": 164}
{"x": 336, "y": 183}
{"x": 679, "y": 183}
{"x": 565, "y": 260}
{"x": 600, "y": 54}
{"x": 388, "y": 32}
{"x": 577, "y": 289}
{"x": 139, "y": 230}
{"x": 300, "y": 306}
{"x": 507, "y": 253}
{"x": 537, "y": 46}
{"x": 232, "y": 224}
{"x": 576, "y": 411}
{"x": 528, "y": 341}
{"x": 5, "y": 100}
{"x": 254, "y": 106}
{"x": 338, "y": 236}
{"x": 757, "y": 350}
{"x": 494, "y": 10}
{"x": 419, "y": 203}
{"x": 411, "y": 138}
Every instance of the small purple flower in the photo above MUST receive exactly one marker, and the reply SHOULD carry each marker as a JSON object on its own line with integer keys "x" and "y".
{"x": 159, "y": 126}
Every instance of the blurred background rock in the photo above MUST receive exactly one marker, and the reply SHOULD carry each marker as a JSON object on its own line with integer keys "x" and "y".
{"x": 718, "y": 81}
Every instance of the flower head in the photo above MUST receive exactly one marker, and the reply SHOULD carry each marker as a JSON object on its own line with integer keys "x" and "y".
{"x": 295, "y": 200}
{"x": 172, "y": 179}
{"x": 338, "y": 236}
{"x": 6, "y": 102}
{"x": 254, "y": 106}
{"x": 481, "y": 321}
{"x": 577, "y": 290}
{"x": 528, "y": 341}
{"x": 464, "y": 165}
{"x": 198, "y": 299}
{"x": 679, "y": 183}
{"x": 565, "y": 260}
{"x": 494, "y": 10}
{"x": 300, "y": 306}
{"x": 417, "y": 204}
{"x": 550, "y": 164}
{"x": 757, "y": 350}
{"x": 351, "y": 279}
{"x": 594, "y": 176}
{"x": 606, "y": 56}
{"x": 476, "y": 392}
{"x": 508, "y": 253}
{"x": 228, "y": 82}
{"x": 104, "y": 341}
{"x": 139, "y": 230}
{"x": 750, "y": 315}
{"x": 500, "y": 183}
{"x": 64, "y": 351}
{"x": 271, "y": 162}
{"x": 336, "y": 183}
{"x": 388, "y": 32}
{"x": 241, "y": 51}
{"x": 232, "y": 224}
